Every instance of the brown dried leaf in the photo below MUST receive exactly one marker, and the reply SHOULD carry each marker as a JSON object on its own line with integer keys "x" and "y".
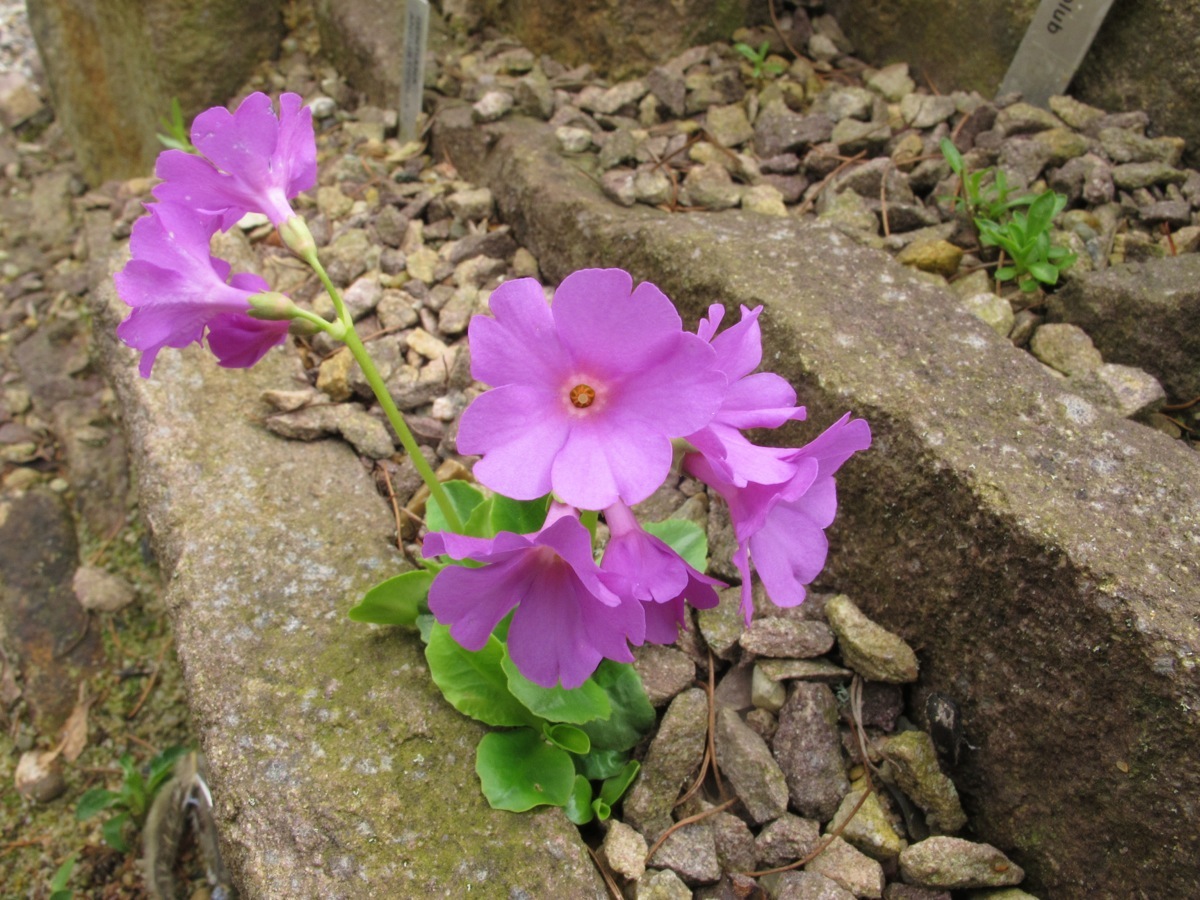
{"x": 75, "y": 731}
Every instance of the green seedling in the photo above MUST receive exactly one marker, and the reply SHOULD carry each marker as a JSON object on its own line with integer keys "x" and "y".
{"x": 758, "y": 59}
{"x": 176, "y": 137}
{"x": 1025, "y": 238}
{"x": 132, "y": 801}
{"x": 1022, "y": 235}
{"x": 59, "y": 889}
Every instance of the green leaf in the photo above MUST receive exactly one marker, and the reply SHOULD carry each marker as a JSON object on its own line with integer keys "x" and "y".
{"x": 464, "y": 497}
{"x": 162, "y": 766}
{"x": 425, "y": 626}
{"x": 1044, "y": 272}
{"x": 518, "y": 771}
{"x": 1004, "y": 273}
{"x": 632, "y": 715}
{"x": 601, "y": 809}
{"x": 568, "y": 737}
{"x": 576, "y": 706}
{"x": 396, "y": 601}
{"x": 63, "y": 875}
{"x": 518, "y": 516}
{"x": 113, "y": 829}
{"x": 746, "y": 50}
{"x": 684, "y": 537}
{"x": 95, "y": 801}
{"x": 474, "y": 682}
{"x": 579, "y": 805}
{"x": 614, "y": 788}
{"x": 953, "y": 157}
{"x": 601, "y": 764}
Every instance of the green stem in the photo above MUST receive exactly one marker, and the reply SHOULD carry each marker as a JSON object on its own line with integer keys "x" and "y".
{"x": 375, "y": 380}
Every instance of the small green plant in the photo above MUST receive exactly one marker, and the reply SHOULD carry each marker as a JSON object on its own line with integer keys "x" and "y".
{"x": 132, "y": 801}
{"x": 177, "y": 137}
{"x": 62, "y": 877}
{"x": 758, "y": 59}
{"x": 1021, "y": 235}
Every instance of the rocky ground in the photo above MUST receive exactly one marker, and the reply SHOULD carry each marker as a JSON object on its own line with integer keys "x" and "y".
{"x": 811, "y": 705}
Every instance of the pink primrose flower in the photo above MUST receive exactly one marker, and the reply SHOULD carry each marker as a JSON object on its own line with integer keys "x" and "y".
{"x": 780, "y": 528}
{"x": 178, "y": 290}
{"x": 567, "y": 617}
{"x": 588, "y": 392}
{"x": 655, "y": 575}
{"x": 759, "y": 400}
{"x": 253, "y": 161}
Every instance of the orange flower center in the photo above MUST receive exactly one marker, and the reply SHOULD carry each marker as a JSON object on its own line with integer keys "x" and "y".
{"x": 583, "y": 396}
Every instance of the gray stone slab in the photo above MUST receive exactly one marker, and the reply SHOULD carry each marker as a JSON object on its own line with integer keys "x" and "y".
{"x": 1037, "y": 552}
{"x": 337, "y": 768}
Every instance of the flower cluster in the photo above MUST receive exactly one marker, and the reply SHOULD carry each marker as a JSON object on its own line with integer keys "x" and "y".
{"x": 591, "y": 396}
{"x": 595, "y": 396}
{"x": 253, "y": 161}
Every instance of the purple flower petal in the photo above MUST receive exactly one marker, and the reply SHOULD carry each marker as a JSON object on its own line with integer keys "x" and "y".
{"x": 254, "y": 161}
{"x": 178, "y": 290}
{"x": 589, "y": 392}
{"x": 566, "y": 619}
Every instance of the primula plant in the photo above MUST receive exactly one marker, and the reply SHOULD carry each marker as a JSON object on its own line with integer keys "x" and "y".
{"x": 1023, "y": 237}
{"x": 596, "y": 398}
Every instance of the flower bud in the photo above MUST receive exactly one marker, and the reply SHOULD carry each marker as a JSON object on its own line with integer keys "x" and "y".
{"x": 296, "y": 237}
{"x": 272, "y": 306}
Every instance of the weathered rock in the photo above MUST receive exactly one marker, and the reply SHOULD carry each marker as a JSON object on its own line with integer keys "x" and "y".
{"x": 722, "y": 625}
{"x": 766, "y": 693}
{"x": 625, "y": 851}
{"x": 995, "y": 311}
{"x": 691, "y": 853}
{"x": 1080, "y": 559}
{"x": 786, "y": 840}
{"x": 663, "y": 884}
{"x": 854, "y": 871}
{"x": 39, "y": 614}
{"x": 1141, "y": 314}
{"x": 804, "y": 886}
{"x": 1139, "y": 59}
{"x": 1127, "y": 390}
{"x": 303, "y": 810}
{"x": 913, "y": 766}
{"x": 870, "y": 830}
{"x": 97, "y": 62}
{"x": 618, "y": 40}
{"x": 734, "y": 842}
{"x": 786, "y": 638}
{"x": 1065, "y": 347}
{"x": 752, "y": 772}
{"x": 664, "y": 671}
{"x": 809, "y": 751}
{"x": 673, "y": 758}
{"x": 871, "y": 650}
{"x": 100, "y": 590}
{"x": 947, "y": 862}
{"x": 940, "y": 257}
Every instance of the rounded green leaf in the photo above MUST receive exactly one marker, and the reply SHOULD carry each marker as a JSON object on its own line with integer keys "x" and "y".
{"x": 601, "y": 764}
{"x": 474, "y": 682}
{"x": 585, "y": 703}
{"x": 601, "y": 809}
{"x": 518, "y": 771}
{"x": 518, "y": 516}
{"x": 464, "y": 497}
{"x": 614, "y": 788}
{"x": 568, "y": 737}
{"x": 684, "y": 537}
{"x": 632, "y": 715}
{"x": 396, "y": 601}
{"x": 579, "y": 806}
{"x": 94, "y": 801}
